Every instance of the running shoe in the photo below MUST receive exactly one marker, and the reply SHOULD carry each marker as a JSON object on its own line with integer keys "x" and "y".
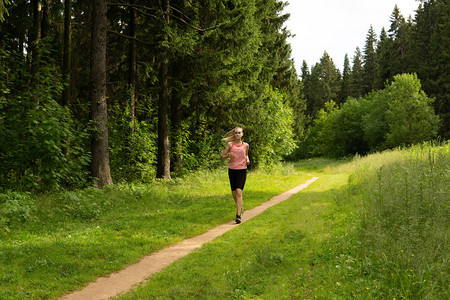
{"x": 238, "y": 219}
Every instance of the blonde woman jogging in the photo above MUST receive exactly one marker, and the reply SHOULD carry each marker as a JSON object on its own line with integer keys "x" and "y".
{"x": 237, "y": 151}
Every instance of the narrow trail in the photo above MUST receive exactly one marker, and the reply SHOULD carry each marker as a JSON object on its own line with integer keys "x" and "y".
{"x": 124, "y": 280}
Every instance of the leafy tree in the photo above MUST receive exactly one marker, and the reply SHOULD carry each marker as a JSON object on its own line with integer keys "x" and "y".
{"x": 338, "y": 132}
{"x": 410, "y": 114}
{"x": 399, "y": 115}
{"x": 374, "y": 123}
{"x": 269, "y": 124}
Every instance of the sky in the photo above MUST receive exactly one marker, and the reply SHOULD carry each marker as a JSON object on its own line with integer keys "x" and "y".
{"x": 337, "y": 26}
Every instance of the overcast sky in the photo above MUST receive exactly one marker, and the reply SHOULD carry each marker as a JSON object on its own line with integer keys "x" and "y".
{"x": 337, "y": 26}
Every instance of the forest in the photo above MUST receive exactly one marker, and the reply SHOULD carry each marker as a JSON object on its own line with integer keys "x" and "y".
{"x": 101, "y": 92}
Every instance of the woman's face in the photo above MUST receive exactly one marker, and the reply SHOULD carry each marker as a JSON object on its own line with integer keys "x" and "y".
{"x": 238, "y": 133}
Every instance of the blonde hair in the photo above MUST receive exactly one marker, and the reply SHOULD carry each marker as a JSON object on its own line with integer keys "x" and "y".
{"x": 229, "y": 136}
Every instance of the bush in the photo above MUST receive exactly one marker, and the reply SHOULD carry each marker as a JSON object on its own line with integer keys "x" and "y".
{"x": 338, "y": 132}
{"x": 15, "y": 207}
{"x": 36, "y": 130}
{"x": 80, "y": 205}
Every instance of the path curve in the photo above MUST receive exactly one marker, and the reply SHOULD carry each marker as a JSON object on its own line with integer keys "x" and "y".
{"x": 124, "y": 280}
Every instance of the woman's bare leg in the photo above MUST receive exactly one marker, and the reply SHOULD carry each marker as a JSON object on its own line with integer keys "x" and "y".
{"x": 237, "y": 196}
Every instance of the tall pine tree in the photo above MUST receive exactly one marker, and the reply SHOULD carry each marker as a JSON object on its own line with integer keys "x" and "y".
{"x": 370, "y": 63}
{"x": 383, "y": 56}
{"x": 346, "y": 81}
{"x": 356, "y": 79}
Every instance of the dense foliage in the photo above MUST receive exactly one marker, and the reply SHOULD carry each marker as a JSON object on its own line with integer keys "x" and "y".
{"x": 399, "y": 115}
{"x": 179, "y": 74}
{"x": 199, "y": 68}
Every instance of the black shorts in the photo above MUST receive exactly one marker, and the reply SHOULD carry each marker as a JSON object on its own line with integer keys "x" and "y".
{"x": 237, "y": 178}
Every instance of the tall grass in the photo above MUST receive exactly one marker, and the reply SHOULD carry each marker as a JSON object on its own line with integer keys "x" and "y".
{"x": 404, "y": 221}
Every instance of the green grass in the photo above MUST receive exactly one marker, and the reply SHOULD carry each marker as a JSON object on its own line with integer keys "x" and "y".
{"x": 72, "y": 238}
{"x": 268, "y": 257}
{"x": 374, "y": 227}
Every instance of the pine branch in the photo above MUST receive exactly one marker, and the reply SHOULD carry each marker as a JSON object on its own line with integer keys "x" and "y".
{"x": 130, "y": 37}
{"x": 192, "y": 26}
{"x": 180, "y": 12}
{"x": 133, "y": 5}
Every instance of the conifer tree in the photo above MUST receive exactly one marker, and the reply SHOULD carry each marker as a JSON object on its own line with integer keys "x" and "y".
{"x": 383, "y": 56}
{"x": 346, "y": 80}
{"x": 370, "y": 64}
{"x": 356, "y": 79}
{"x": 100, "y": 168}
{"x": 304, "y": 70}
{"x": 3, "y": 9}
{"x": 323, "y": 85}
{"x": 398, "y": 32}
{"x": 430, "y": 56}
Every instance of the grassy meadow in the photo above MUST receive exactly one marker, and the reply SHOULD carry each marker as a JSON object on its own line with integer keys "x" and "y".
{"x": 370, "y": 227}
{"x": 54, "y": 243}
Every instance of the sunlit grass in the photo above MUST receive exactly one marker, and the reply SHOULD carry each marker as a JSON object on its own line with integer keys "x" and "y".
{"x": 265, "y": 258}
{"x": 74, "y": 237}
{"x": 335, "y": 240}
{"x": 370, "y": 227}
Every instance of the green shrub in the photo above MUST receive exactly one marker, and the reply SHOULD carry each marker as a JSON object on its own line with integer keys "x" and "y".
{"x": 15, "y": 207}
{"x": 132, "y": 147}
{"x": 40, "y": 146}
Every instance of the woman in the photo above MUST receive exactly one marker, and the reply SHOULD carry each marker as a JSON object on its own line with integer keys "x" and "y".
{"x": 237, "y": 151}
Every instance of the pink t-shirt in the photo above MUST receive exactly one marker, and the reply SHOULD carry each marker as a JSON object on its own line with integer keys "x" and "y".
{"x": 238, "y": 159}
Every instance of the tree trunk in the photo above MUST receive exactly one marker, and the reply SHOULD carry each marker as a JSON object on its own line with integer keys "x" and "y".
{"x": 177, "y": 134}
{"x": 100, "y": 169}
{"x": 176, "y": 128}
{"x": 46, "y": 18}
{"x": 67, "y": 51}
{"x": 37, "y": 8}
{"x": 163, "y": 158}
{"x": 132, "y": 63}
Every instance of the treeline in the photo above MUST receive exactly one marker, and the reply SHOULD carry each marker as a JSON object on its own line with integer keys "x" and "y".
{"x": 106, "y": 91}
{"x": 416, "y": 46}
{"x": 129, "y": 90}
{"x": 399, "y": 115}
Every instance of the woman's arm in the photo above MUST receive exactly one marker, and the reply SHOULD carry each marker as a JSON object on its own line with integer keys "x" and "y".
{"x": 246, "y": 153}
{"x": 225, "y": 153}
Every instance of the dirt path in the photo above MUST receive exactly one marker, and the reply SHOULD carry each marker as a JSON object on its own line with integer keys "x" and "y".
{"x": 124, "y": 280}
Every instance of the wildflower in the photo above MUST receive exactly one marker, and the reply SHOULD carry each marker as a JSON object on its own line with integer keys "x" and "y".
{"x": 412, "y": 254}
{"x": 401, "y": 251}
